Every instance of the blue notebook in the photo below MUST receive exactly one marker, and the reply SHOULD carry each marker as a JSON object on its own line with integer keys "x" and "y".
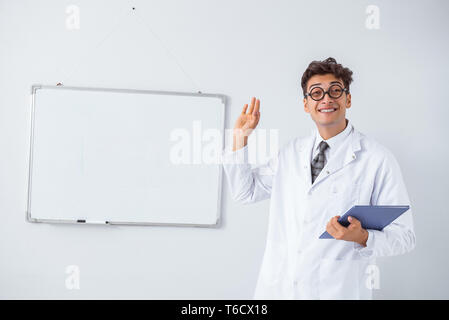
{"x": 371, "y": 217}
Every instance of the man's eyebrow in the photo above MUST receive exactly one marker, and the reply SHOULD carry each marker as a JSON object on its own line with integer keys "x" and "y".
{"x": 316, "y": 84}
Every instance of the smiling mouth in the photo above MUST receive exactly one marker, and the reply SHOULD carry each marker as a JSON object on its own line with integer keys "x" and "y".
{"x": 327, "y": 110}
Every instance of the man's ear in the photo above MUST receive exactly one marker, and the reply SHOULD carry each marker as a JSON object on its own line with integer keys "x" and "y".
{"x": 306, "y": 107}
{"x": 348, "y": 101}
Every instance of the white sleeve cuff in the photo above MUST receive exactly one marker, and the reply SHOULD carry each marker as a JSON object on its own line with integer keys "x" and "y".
{"x": 367, "y": 251}
{"x": 236, "y": 157}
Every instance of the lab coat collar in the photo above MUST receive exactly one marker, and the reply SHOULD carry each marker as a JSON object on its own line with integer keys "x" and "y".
{"x": 345, "y": 154}
{"x": 333, "y": 142}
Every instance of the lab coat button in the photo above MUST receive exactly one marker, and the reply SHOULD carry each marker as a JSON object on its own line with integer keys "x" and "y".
{"x": 327, "y": 172}
{"x": 295, "y": 283}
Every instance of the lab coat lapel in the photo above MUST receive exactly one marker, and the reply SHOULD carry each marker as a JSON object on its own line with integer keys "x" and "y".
{"x": 305, "y": 156}
{"x": 344, "y": 155}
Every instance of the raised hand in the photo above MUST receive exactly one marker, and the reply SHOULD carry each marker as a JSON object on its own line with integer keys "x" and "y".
{"x": 246, "y": 123}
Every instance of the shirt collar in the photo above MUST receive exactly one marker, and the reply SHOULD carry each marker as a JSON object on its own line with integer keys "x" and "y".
{"x": 335, "y": 141}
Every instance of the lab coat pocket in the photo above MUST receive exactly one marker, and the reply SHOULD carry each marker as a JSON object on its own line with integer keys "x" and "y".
{"x": 339, "y": 279}
{"x": 343, "y": 195}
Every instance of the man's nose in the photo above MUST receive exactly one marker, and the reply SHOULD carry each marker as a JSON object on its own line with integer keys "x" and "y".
{"x": 327, "y": 99}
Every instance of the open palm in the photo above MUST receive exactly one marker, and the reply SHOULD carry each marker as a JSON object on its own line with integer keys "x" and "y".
{"x": 246, "y": 122}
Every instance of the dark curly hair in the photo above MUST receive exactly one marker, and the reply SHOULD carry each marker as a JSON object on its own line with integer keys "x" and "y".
{"x": 327, "y": 66}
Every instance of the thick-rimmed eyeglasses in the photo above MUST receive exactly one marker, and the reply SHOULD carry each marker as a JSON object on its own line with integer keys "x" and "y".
{"x": 335, "y": 91}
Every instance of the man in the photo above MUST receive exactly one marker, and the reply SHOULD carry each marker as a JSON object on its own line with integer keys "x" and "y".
{"x": 311, "y": 182}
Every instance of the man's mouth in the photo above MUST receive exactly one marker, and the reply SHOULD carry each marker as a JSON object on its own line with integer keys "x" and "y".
{"x": 327, "y": 110}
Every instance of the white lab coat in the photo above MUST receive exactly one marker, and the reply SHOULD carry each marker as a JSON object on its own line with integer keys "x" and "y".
{"x": 296, "y": 263}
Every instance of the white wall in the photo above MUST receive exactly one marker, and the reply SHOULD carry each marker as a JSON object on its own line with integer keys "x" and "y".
{"x": 241, "y": 49}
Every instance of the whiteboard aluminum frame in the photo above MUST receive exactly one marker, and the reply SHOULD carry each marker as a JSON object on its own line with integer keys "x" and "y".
{"x": 29, "y": 218}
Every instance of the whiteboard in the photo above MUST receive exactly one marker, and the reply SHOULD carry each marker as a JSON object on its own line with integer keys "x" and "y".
{"x": 122, "y": 156}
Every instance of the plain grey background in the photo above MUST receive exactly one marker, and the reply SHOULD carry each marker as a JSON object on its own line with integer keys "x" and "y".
{"x": 241, "y": 49}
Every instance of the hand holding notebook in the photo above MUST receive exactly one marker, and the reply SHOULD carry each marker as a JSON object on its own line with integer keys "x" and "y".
{"x": 371, "y": 217}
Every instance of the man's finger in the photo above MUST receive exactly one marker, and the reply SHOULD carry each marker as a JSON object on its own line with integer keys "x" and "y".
{"x": 330, "y": 229}
{"x": 256, "y": 109}
{"x": 245, "y": 107}
{"x": 354, "y": 222}
{"x": 337, "y": 224}
{"x": 251, "y": 108}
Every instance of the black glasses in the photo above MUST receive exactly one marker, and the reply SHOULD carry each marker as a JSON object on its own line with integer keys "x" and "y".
{"x": 335, "y": 91}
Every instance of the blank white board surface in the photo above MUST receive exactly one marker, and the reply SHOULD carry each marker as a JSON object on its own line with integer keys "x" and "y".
{"x": 113, "y": 156}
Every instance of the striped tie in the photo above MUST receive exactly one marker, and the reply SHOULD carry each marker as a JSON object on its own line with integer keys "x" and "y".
{"x": 318, "y": 162}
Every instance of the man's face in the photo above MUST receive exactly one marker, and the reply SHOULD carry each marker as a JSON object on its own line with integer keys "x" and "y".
{"x": 313, "y": 107}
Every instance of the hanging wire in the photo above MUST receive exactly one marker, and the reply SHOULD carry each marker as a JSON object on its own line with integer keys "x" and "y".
{"x": 89, "y": 52}
{"x": 166, "y": 49}
{"x": 115, "y": 27}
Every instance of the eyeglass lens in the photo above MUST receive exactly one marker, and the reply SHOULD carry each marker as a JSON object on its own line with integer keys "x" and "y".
{"x": 335, "y": 91}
